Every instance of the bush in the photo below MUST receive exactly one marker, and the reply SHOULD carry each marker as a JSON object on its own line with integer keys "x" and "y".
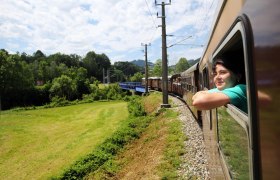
{"x": 135, "y": 107}
{"x": 58, "y": 102}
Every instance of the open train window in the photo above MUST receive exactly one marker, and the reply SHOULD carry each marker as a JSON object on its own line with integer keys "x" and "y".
{"x": 233, "y": 124}
{"x": 232, "y": 48}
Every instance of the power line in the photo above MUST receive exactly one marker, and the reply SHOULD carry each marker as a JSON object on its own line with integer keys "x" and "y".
{"x": 206, "y": 15}
{"x": 200, "y": 29}
{"x": 151, "y": 14}
{"x": 179, "y": 41}
{"x": 153, "y": 34}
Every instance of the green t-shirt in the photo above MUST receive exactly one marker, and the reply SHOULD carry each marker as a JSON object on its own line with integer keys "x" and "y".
{"x": 237, "y": 96}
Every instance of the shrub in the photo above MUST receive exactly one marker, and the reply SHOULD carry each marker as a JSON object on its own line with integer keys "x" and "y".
{"x": 135, "y": 107}
{"x": 58, "y": 102}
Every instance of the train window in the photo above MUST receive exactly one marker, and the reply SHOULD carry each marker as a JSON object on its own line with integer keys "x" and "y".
{"x": 234, "y": 51}
{"x": 233, "y": 123}
{"x": 200, "y": 81}
{"x": 233, "y": 142}
{"x": 205, "y": 78}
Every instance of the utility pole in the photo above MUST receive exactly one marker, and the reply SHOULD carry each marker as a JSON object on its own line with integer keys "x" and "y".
{"x": 164, "y": 58}
{"x": 106, "y": 77}
{"x": 146, "y": 67}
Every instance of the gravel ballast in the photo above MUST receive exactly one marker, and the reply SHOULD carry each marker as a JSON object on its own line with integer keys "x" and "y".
{"x": 194, "y": 164}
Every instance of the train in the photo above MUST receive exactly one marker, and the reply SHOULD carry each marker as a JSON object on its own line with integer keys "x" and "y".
{"x": 239, "y": 145}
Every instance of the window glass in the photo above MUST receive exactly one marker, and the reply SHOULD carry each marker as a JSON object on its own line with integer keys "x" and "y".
{"x": 233, "y": 141}
{"x": 205, "y": 78}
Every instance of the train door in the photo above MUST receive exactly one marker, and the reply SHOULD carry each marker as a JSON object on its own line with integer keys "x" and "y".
{"x": 235, "y": 128}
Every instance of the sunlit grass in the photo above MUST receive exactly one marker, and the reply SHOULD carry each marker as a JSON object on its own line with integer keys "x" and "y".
{"x": 155, "y": 155}
{"x": 37, "y": 144}
{"x": 234, "y": 144}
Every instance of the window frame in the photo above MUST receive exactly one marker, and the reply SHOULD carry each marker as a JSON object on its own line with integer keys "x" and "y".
{"x": 242, "y": 26}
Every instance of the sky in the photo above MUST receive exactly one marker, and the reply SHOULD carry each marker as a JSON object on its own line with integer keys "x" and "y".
{"x": 117, "y": 28}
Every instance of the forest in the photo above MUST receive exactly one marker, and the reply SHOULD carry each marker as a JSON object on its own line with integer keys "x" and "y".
{"x": 34, "y": 80}
{"x": 38, "y": 79}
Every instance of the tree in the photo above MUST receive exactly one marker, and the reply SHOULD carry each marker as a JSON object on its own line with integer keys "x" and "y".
{"x": 5, "y": 71}
{"x": 89, "y": 63}
{"x": 28, "y": 59}
{"x": 103, "y": 62}
{"x": 182, "y": 65}
{"x": 117, "y": 76}
{"x": 137, "y": 77}
{"x": 95, "y": 63}
{"x": 69, "y": 60}
{"x": 63, "y": 86}
{"x": 157, "y": 71}
{"x": 81, "y": 81}
{"x": 16, "y": 80}
{"x": 38, "y": 55}
{"x": 15, "y": 74}
{"x": 128, "y": 68}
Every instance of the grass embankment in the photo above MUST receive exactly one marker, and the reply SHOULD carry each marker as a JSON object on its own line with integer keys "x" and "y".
{"x": 155, "y": 155}
{"x": 36, "y": 144}
{"x": 140, "y": 147}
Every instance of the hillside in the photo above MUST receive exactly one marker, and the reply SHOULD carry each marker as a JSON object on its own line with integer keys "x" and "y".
{"x": 193, "y": 61}
{"x": 141, "y": 63}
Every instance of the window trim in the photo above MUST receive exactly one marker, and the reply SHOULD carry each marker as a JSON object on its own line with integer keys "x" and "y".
{"x": 242, "y": 25}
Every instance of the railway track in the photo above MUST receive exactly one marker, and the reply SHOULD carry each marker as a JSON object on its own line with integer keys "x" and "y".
{"x": 195, "y": 161}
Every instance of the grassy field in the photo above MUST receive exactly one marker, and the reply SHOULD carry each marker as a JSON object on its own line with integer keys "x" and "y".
{"x": 157, "y": 152}
{"x": 37, "y": 144}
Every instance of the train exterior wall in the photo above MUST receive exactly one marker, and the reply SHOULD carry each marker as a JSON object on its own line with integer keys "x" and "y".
{"x": 264, "y": 18}
{"x": 229, "y": 10}
{"x": 155, "y": 83}
{"x": 260, "y": 29}
{"x": 189, "y": 80}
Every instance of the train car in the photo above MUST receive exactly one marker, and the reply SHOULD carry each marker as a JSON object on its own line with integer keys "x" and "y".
{"x": 168, "y": 84}
{"x": 155, "y": 83}
{"x": 244, "y": 145}
{"x": 190, "y": 85}
{"x": 176, "y": 85}
{"x": 149, "y": 81}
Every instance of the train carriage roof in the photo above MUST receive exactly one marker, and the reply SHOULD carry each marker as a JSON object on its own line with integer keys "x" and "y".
{"x": 175, "y": 76}
{"x": 190, "y": 70}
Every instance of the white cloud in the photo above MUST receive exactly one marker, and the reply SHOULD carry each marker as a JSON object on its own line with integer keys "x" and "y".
{"x": 110, "y": 27}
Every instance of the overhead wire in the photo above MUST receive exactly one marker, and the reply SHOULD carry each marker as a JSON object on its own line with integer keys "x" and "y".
{"x": 196, "y": 24}
{"x": 200, "y": 29}
{"x": 152, "y": 37}
{"x": 150, "y": 13}
{"x": 205, "y": 18}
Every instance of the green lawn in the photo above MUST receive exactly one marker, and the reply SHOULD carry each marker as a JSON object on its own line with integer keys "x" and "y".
{"x": 36, "y": 144}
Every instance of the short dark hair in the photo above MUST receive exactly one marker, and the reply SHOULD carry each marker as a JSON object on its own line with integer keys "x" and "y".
{"x": 233, "y": 62}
